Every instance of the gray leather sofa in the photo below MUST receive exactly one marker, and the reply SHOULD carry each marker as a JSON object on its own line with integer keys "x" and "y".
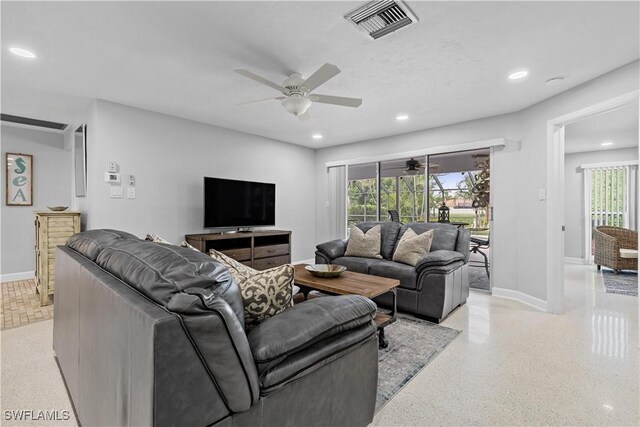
{"x": 153, "y": 334}
{"x": 432, "y": 289}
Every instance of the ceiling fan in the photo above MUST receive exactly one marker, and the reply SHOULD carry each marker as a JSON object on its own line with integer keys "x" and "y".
{"x": 414, "y": 167}
{"x": 297, "y": 91}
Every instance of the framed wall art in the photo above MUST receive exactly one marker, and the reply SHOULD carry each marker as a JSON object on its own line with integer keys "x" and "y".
{"x": 19, "y": 179}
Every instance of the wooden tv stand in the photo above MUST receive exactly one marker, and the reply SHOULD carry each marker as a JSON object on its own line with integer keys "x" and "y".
{"x": 257, "y": 249}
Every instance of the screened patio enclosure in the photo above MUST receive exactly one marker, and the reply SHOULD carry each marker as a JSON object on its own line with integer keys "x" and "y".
{"x": 373, "y": 189}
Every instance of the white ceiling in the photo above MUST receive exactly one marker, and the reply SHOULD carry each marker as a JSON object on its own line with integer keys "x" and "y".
{"x": 177, "y": 58}
{"x": 619, "y": 126}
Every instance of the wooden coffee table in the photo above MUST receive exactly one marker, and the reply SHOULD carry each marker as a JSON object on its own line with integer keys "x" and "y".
{"x": 351, "y": 283}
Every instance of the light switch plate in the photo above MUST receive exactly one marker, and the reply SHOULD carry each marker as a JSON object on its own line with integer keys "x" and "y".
{"x": 116, "y": 192}
{"x": 542, "y": 194}
{"x": 131, "y": 193}
{"x": 112, "y": 166}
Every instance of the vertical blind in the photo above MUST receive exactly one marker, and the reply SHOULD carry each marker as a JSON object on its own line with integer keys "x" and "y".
{"x": 336, "y": 202}
{"x": 613, "y": 195}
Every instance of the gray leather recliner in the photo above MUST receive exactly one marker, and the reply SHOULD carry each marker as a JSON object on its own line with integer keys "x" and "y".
{"x": 153, "y": 334}
{"x": 432, "y": 289}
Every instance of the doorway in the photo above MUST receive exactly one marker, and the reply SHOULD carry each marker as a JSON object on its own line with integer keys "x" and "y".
{"x": 555, "y": 209}
{"x": 459, "y": 192}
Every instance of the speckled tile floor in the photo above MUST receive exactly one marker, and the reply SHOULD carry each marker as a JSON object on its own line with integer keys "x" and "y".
{"x": 512, "y": 365}
{"x": 21, "y": 304}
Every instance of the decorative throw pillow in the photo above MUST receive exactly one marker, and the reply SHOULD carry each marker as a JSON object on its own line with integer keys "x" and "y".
{"x": 412, "y": 246}
{"x": 264, "y": 293}
{"x": 365, "y": 245}
{"x": 184, "y": 244}
{"x": 156, "y": 238}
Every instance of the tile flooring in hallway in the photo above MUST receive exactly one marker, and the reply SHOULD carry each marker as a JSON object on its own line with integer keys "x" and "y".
{"x": 515, "y": 365}
{"x": 512, "y": 365}
{"x": 21, "y": 304}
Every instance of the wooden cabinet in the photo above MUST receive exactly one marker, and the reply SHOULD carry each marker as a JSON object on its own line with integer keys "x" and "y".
{"x": 257, "y": 249}
{"x": 52, "y": 229}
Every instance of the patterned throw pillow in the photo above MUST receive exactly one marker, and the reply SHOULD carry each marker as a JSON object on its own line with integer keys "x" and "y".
{"x": 412, "y": 247}
{"x": 264, "y": 293}
{"x": 366, "y": 245}
{"x": 184, "y": 244}
{"x": 156, "y": 238}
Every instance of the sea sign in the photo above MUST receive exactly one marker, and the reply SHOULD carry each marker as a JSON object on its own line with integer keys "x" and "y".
{"x": 19, "y": 180}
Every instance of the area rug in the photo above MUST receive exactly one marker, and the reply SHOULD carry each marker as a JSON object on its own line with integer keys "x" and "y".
{"x": 624, "y": 283}
{"x": 478, "y": 278}
{"x": 413, "y": 343}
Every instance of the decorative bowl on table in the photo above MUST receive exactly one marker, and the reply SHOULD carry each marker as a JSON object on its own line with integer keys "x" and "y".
{"x": 325, "y": 270}
{"x": 58, "y": 208}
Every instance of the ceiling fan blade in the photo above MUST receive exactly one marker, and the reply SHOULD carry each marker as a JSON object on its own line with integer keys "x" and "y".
{"x": 324, "y": 73}
{"x": 260, "y": 79}
{"x": 278, "y": 98}
{"x": 261, "y": 100}
{"x": 337, "y": 100}
{"x": 306, "y": 116}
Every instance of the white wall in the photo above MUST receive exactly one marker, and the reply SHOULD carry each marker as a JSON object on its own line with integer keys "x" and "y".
{"x": 574, "y": 193}
{"x": 518, "y": 234}
{"x": 52, "y": 170}
{"x": 170, "y": 156}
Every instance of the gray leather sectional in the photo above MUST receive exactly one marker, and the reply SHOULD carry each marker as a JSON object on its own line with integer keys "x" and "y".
{"x": 434, "y": 287}
{"x": 153, "y": 334}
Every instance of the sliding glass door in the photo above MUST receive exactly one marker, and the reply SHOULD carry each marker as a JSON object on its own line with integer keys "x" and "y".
{"x": 374, "y": 189}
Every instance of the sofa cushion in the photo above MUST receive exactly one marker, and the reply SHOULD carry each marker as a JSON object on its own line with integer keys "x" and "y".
{"x": 160, "y": 271}
{"x": 264, "y": 293}
{"x": 388, "y": 235}
{"x": 444, "y": 237}
{"x": 364, "y": 244}
{"x": 90, "y": 243}
{"x": 411, "y": 247}
{"x": 395, "y": 270}
{"x": 359, "y": 265}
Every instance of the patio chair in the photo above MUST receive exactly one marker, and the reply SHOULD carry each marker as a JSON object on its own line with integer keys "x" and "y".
{"x": 394, "y": 216}
{"x": 477, "y": 244}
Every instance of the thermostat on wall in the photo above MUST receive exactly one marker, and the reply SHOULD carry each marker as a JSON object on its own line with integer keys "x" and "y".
{"x": 112, "y": 177}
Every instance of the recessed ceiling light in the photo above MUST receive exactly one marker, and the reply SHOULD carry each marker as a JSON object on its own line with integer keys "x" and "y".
{"x": 518, "y": 75}
{"x": 24, "y": 53}
{"x": 605, "y": 143}
{"x": 554, "y": 80}
{"x": 316, "y": 136}
{"x": 402, "y": 117}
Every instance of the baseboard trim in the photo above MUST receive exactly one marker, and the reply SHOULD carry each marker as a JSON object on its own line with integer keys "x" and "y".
{"x": 305, "y": 261}
{"x": 573, "y": 260}
{"x": 12, "y": 277}
{"x": 519, "y": 296}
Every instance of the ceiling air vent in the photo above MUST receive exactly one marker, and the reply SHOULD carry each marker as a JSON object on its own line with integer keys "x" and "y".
{"x": 25, "y": 121}
{"x": 382, "y": 17}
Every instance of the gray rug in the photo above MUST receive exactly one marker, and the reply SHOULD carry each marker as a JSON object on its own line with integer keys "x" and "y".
{"x": 624, "y": 283}
{"x": 413, "y": 343}
{"x": 478, "y": 278}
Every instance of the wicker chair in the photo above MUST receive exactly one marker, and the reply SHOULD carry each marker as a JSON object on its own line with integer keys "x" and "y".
{"x": 608, "y": 241}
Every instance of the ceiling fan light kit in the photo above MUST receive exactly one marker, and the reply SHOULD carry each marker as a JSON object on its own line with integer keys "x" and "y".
{"x": 297, "y": 91}
{"x": 296, "y": 104}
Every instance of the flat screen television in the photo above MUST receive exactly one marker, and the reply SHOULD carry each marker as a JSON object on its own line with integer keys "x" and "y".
{"x": 240, "y": 204}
